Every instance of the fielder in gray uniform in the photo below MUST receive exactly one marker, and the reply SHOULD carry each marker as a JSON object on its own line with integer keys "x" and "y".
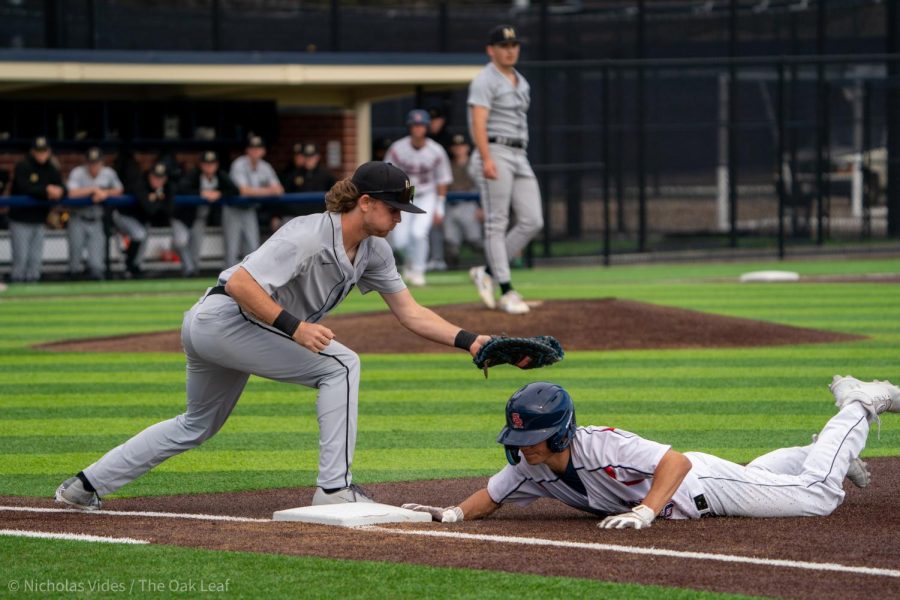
{"x": 631, "y": 481}
{"x": 98, "y": 182}
{"x": 254, "y": 177}
{"x": 262, "y": 319}
{"x": 498, "y": 121}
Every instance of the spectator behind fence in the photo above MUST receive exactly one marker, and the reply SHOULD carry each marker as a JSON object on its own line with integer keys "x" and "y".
{"x": 37, "y": 177}
{"x": 463, "y": 219}
{"x": 211, "y": 183}
{"x": 97, "y": 182}
{"x": 254, "y": 177}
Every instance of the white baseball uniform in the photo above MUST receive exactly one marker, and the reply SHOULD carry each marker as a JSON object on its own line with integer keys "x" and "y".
{"x": 427, "y": 168}
{"x": 305, "y": 269}
{"x": 615, "y": 469}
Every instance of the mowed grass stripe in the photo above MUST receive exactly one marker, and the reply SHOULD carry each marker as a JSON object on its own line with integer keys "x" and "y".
{"x": 483, "y": 439}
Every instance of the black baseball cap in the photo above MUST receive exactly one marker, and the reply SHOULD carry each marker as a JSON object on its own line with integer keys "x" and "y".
{"x": 458, "y": 140}
{"x": 254, "y": 141}
{"x": 387, "y": 183}
{"x": 503, "y": 34}
{"x": 310, "y": 149}
{"x": 209, "y": 157}
{"x": 94, "y": 155}
{"x": 160, "y": 170}
{"x": 40, "y": 143}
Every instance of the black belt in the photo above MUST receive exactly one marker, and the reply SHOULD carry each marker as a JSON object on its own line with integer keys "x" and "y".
{"x": 511, "y": 142}
{"x": 219, "y": 289}
{"x": 703, "y": 506}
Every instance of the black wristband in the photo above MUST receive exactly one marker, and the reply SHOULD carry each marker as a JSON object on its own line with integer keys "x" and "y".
{"x": 286, "y": 322}
{"x": 465, "y": 339}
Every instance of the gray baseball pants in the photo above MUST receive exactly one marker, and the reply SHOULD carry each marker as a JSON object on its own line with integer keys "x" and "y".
{"x": 240, "y": 228}
{"x": 86, "y": 233}
{"x": 134, "y": 229}
{"x": 461, "y": 225}
{"x": 515, "y": 190}
{"x": 223, "y": 348}
{"x": 27, "y": 241}
{"x": 790, "y": 482}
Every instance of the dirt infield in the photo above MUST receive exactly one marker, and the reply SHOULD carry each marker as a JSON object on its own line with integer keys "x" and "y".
{"x": 605, "y": 324}
{"x": 861, "y": 533}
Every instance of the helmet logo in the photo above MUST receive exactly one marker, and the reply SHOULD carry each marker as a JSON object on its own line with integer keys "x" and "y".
{"x": 517, "y": 421}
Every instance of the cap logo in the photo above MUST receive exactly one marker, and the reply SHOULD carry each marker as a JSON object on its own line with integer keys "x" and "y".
{"x": 517, "y": 421}
{"x": 509, "y": 33}
{"x": 406, "y": 184}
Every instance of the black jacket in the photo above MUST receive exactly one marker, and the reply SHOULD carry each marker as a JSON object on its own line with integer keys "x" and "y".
{"x": 30, "y": 178}
{"x": 190, "y": 186}
{"x": 154, "y": 207}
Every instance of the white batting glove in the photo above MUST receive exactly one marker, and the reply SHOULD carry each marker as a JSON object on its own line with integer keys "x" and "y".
{"x": 640, "y": 517}
{"x": 453, "y": 514}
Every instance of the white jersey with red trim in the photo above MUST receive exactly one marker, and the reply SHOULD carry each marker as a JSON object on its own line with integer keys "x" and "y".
{"x": 427, "y": 167}
{"x": 616, "y": 468}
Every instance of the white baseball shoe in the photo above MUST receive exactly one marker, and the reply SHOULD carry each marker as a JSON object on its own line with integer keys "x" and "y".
{"x": 511, "y": 302}
{"x": 72, "y": 492}
{"x": 876, "y": 396}
{"x": 414, "y": 278}
{"x": 351, "y": 493}
{"x": 484, "y": 283}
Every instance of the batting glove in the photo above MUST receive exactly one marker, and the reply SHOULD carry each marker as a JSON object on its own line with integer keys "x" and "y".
{"x": 640, "y": 517}
{"x": 453, "y": 514}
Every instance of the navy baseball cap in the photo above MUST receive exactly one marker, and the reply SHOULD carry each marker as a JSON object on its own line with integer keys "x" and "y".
{"x": 159, "y": 170}
{"x": 254, "y": 141}
{"x": 387, "y": 183}
{"x": 503, "y": 34}
{"x": 418, "y": 117}
{"x": 209, "y": 157}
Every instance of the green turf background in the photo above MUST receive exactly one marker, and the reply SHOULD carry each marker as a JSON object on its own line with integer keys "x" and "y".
{"x": 434, "y": 416}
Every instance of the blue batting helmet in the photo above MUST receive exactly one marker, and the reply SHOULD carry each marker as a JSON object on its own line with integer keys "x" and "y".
{"x": 418, "y": 117}
{"x": 536, "y": 412}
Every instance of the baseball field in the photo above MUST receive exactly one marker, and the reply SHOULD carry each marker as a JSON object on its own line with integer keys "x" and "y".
{"x": 426, "y": 434}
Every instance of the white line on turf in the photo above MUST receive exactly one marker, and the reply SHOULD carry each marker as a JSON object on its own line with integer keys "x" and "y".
{"x": 767, "y": 562}
{"x": 78, "y": 537}
{"x": 135, "y": 513}
{"x": 529, "y": 541}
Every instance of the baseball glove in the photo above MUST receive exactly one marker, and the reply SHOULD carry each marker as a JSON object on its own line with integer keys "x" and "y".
{"x": 525, "y": 353}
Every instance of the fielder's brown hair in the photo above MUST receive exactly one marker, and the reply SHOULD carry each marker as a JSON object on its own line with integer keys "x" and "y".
{"x": 342, "y": 197}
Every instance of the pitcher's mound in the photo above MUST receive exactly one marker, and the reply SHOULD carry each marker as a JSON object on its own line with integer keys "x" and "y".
{"x": 605, "y": 324}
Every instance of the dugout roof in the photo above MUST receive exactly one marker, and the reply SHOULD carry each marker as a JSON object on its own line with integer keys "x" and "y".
{"x": 346, "y": 80}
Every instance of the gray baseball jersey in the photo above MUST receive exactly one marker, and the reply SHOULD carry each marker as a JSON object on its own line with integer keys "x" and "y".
{"x": 80, "y": 178}
{"x": 305, "y": 269}
{"x": 508, "y": 103}
{"x": 244, "y": 174}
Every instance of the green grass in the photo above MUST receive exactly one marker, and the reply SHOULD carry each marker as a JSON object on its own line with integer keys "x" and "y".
{"x": 166, "y": 572}
{"x": 433, "y": 416}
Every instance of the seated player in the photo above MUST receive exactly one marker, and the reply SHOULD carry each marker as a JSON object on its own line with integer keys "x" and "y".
{"x": 631, "y": 481}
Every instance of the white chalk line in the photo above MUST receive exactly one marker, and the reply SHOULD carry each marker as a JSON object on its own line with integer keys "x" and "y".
{"x": 78, "y": 537}
{"x": 136, "y": 513}
{"x": 529, "y": 541}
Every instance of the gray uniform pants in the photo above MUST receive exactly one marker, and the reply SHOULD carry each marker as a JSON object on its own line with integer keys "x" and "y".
{"x": 134, "y": 229}
{"x": 240, "y": 228}
{"x": 223, "y": 349}
{"x": 461, "y": 225}
{"x": 515, "y": 190}
{"x": 86, "y": 233}
{"x": 27, "y": 241}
